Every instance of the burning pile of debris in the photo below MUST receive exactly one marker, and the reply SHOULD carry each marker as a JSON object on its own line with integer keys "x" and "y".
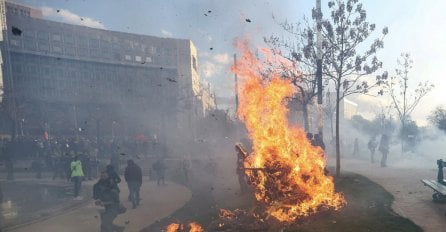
{"x": 285, "y": 170}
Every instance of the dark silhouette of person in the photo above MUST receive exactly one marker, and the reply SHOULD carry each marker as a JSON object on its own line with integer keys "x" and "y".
{"x": 107, "y": 195}
{"x": 133, "y": 177}
{"x": 372, "y": 144}
{"x": 384, "y": 149}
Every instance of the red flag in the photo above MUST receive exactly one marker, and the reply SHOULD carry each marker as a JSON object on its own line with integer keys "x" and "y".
{"x": 46, "y": 136}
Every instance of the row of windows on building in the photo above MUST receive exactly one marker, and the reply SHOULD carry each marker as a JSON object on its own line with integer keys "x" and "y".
{"x": 107, "y": 55}
{"x": 101, "y": 41}
{"x": 49, "y": 89}
{"x": 35, "y": 66}
{"x": 18, "y": 11}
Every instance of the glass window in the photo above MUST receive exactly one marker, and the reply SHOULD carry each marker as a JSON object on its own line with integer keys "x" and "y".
{"x": 14, "y": 42}
{"x": 138, "y": 59}
{"x": 94, "y": 43}
{"x": 82, "y": 41}
{"x": 44, "y": 46}
{"x": 70, "y": 51}
{"x": 43, "y": 35}
{"x": 57, "y": 49}
{"x": 128, "y": 57}
{"x": 30, "y": 44}
{"x": 27, "y": 33}
{"x": 69, "y": 39}
{"x": 56, "y": 37}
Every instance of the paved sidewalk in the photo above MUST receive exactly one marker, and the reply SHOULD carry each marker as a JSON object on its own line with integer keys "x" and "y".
{"x": 413, "y": 200}
{"x": 157, "y": 202}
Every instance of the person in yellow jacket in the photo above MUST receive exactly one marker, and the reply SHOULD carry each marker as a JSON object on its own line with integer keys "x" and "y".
{"x": 76, "y": 176}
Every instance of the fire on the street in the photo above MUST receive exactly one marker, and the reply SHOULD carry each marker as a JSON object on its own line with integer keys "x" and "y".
{"x": 193, "y": 227}
{"x": 286, "y": 171}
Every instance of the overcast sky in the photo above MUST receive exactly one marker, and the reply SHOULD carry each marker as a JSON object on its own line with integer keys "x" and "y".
{"x": 414, "y": 27}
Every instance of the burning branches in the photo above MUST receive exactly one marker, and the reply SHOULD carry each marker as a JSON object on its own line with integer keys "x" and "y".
{"x": 286, "y": 171}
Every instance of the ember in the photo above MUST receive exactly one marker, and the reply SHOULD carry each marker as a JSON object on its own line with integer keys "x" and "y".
{"x": 286, "y": 171}
{"x": 224, "y": 213}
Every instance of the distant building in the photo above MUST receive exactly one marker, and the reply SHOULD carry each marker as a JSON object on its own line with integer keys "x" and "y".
{"x": 72, "y": 79}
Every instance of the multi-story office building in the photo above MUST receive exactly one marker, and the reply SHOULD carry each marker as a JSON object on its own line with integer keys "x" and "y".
{"x": 72, "y": 79}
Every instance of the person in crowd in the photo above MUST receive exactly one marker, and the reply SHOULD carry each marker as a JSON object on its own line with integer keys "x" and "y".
{"x": 107, "y": 195}
{"x": 86, "y": 165}
{"x": 94, "y": 165}
{"x": 133, "y": 177}
{"x": 355, "y": 147}
{"x": 67, "y": 166}
{"x": 114, "y": 177}
{"x": 115, "y": 161}
{"x": 8, "y": 154}
{"x": 58, "y": 167}
{"x": 310, "y": 137}
{"x": 160, "y": 170}
{"x": 384, "y": 149}
{"x": 241, "y": 155}
{"x": 185, "y": 166}
{"x": 318, "y": 142}
{"x": 37, "y": 166}
{"x": 372, "y": 144}
{"x": 76, "y": 175}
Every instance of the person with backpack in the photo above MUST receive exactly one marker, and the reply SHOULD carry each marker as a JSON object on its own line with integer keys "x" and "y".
{"x": 107, "y": 195}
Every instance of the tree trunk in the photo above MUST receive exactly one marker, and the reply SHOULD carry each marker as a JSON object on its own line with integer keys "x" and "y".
{"x": 338, "y": 149}
{"x": 305, "y": 114}
{"x": 402, "y": 137}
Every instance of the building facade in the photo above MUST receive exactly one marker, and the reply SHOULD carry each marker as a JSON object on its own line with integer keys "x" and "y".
{"x": 72, "y": 79}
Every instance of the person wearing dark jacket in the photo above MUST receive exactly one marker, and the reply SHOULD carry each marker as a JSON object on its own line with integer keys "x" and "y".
{"x": 133, "y": 177}
{"x": 107, "y": 195}
{"x": 114, "y": 177}
{"x": 160, "y": 169}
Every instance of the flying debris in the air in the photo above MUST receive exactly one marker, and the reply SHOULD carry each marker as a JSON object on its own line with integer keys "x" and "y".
{"x": 171, "y": 80}
{"x": 16, "y": 31}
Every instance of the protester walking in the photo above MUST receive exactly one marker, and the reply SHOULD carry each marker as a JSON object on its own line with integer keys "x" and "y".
{"x": 160, "y": 169}
{"x": 114, "y": 177}
{"x": 76, "y": 176}
{"x": 107, "y": 195}
{"x": 384, "y": 149}
{"x": 133, "y": 177}
{"x": 372, "y": 144}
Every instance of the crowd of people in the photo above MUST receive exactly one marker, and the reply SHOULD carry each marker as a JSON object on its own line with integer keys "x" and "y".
{"x": 55, "y": 155}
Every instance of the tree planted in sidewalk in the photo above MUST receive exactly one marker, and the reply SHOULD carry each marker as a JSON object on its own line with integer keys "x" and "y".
{"x": 350, "y": 70}
{"x": 405, "y": 99}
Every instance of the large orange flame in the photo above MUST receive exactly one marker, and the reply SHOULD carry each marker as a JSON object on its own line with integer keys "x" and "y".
{"x": 292, "y": 182}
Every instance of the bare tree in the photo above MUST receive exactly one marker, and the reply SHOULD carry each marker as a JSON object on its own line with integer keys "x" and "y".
{"x": 405, "y": 101}
{"x": 343, "y": 32}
